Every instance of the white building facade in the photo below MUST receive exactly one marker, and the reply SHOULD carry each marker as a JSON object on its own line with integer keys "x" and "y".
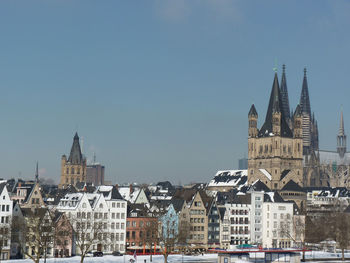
{"x": 6, "y": 205}
{"x": 277, "y": 219}
{"x": 104, "y": 208}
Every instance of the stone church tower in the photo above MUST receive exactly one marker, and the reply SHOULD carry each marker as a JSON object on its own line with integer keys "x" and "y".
{"x": 73, "y": 170}
{"x": 275, "y": 152}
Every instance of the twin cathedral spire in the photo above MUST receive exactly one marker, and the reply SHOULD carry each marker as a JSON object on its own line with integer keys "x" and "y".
{"x": 276, "y": 150}
{"x": 279, "y": 102}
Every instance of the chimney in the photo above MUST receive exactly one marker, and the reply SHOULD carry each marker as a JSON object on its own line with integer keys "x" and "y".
{"x": 131, "y": 189}
{"x": 117, "y": 186}
{"x": 19, "y": 184}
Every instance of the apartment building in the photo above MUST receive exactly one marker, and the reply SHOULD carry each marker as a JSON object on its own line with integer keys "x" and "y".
{"x": 103, "y": 210}
{"x": 6, "y": 205}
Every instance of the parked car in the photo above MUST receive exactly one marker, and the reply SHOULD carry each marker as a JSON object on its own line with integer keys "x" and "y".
{"x": 116, "y": 253}
{"x": 98, "y": 254}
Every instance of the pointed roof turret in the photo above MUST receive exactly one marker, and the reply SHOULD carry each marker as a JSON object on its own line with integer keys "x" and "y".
{"x": 75, "y": 156}
{"x": 304, "y": 97}
{"x": 252, "y": 111}
{"x": 275, "y": 105}
{"x": 284, "y": 94}
{"x": 297, "y": 111}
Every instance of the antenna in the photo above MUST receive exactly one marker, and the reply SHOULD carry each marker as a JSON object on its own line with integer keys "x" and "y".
{"x": 275, "y": 67}
{"x": 94, "y": 157}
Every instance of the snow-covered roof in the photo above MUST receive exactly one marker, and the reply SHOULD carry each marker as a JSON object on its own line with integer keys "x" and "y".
{"x": 104, "y": 188}
{"x": 233, "y": 178}
{"x": 266, "y": 173}
{"x": 127, "y": 195}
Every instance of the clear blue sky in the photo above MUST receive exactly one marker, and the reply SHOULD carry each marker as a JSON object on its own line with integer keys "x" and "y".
{"x": 160, "y": 90}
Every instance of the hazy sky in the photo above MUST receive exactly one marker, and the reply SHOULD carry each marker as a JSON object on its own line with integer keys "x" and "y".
{"x": 160, "y": 90}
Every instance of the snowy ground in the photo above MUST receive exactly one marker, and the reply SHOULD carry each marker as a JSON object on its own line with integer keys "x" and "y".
{"x": 210, "y": 258}
{"x": 207, "y": 258}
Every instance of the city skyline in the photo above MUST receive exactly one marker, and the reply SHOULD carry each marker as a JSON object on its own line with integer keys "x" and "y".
{"x": 160, "y": 90}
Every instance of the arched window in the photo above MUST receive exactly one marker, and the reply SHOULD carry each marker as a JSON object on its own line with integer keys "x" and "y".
{"x": 101, "y": 205}
{"x": 84, "y": 205}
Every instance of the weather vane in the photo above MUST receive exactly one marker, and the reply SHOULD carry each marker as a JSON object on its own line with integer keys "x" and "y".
{"x": 275, "y": 68}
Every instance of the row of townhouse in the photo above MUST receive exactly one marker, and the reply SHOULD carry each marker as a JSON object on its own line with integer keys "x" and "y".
{"x": 93, "y": 220}
{"x": 197, "y": 217}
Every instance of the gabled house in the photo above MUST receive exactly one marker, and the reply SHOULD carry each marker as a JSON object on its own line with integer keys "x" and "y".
{"x": 63, "y": 242}
{"x": 195, "y": 214}
{"x": 169, "y": 223}
{"x": 28, "y": 194}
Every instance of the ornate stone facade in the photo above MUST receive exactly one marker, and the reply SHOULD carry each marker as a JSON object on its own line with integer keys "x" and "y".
{"x": 275, "y": 152}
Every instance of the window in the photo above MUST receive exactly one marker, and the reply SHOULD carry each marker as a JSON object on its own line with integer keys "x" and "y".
{"x": 72, "y": 170}
{"x": 113, "y": 204}
{"x": 122, "y": 226}
{"x": 101, "y": 205}
{"x": 118, "y": 204}
{"x": 113, "y": 215}
{"x": 133, "y": 223}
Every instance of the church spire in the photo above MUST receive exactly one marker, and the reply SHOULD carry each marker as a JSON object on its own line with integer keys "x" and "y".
{"x": 304, "y": 97}
{"x": 75, "y": 156}
{"x": 284, "y": 95}
{"x": 341, "y": 138}
{"x": 275, "y": 106}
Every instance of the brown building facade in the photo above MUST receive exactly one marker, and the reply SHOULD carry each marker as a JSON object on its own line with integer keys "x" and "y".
{"x": 73, "y": 169}
{"x": 275, "y": 152}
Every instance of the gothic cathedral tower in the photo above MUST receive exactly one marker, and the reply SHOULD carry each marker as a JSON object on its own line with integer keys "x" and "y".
{"x": 275, "y": 152}
{"x": 341, "y": 138}
{"x": 73, "y": 170}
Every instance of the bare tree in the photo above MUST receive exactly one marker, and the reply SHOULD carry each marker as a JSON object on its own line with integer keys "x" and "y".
{"x": 173, "y": 236}
{"x": 5, "y": 236}
{"x": 167, "y": 239}
{"x": 64, "y": 235}
{"x": 38, "y": 232}
{"x": 88, "y": 231}
{"x": 334, "y": 225}
{"x": 294, "y": 229}
{"x": 150, "y": 235}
